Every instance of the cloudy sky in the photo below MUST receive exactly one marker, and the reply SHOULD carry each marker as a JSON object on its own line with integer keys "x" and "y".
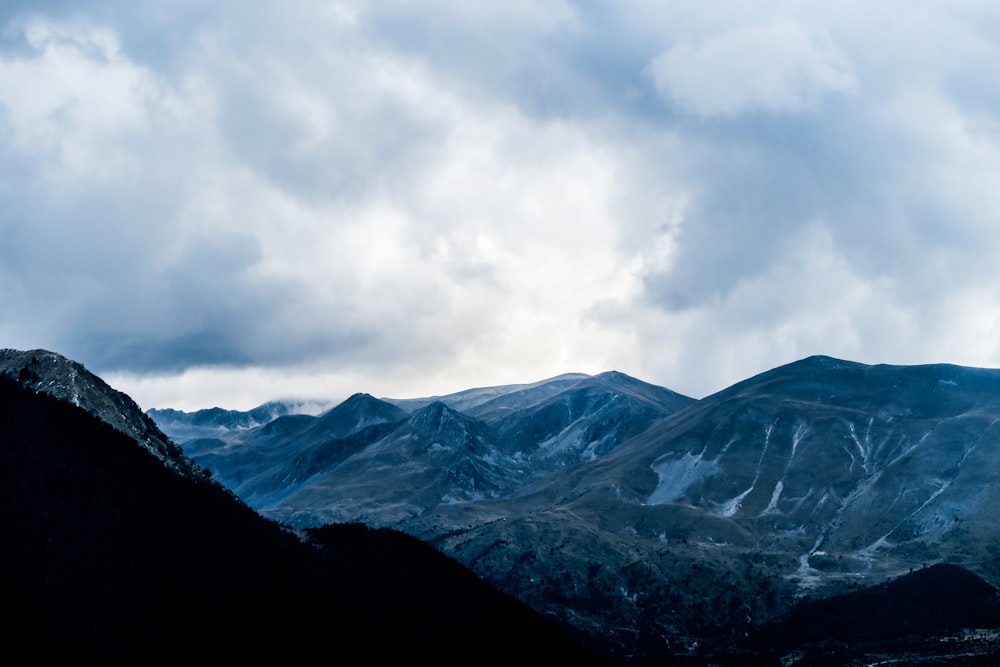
{"x": 219, "y": 203}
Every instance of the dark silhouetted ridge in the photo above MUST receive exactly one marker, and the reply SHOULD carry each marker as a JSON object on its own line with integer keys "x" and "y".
{"x": 932, "y": 601}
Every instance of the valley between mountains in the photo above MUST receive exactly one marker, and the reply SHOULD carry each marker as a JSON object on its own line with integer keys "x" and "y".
{"x": 650, "y": 522}
{"x": 824, "y": 512}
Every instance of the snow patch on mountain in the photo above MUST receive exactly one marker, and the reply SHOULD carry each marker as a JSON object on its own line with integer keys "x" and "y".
{"x": 677, "y": 475}
{"x": 772, "y": 505}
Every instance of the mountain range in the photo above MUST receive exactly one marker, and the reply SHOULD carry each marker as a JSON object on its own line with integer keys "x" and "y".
{"x": 824, "y": 512}
{"x": 653, "y": 523}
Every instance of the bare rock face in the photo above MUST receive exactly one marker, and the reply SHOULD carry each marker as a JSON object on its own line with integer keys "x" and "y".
{"x": 69, "y": 381}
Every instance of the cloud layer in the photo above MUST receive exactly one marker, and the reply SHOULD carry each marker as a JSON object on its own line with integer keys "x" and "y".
{"x": 223, "y": 204}
{"x": 776, "y": 66}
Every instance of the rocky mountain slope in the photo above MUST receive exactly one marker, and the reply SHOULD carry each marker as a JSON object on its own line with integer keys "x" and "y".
{"x": 654, "y": 522}
{"x": 859, "y": 470}
{"x": 69, "y": 381}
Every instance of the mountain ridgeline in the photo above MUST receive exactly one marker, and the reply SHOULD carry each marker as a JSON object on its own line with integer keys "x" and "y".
{"x": 651, "y": 523}
{"x": 484, "y": 444}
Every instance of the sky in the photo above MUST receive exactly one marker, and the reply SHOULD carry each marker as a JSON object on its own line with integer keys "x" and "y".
{"x": 222, "y": 203}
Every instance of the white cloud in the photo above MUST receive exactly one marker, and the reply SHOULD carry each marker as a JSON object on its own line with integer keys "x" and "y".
{"x": 469, "y": 241}
{"x": 775, "y": 66}
{"x": 810, "y": 300}
{"x": 75, "y": 95}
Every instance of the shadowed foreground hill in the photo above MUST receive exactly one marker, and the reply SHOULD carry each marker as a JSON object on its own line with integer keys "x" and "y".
{"x": 107, "y": 554}
{"x": 912, "y": 618}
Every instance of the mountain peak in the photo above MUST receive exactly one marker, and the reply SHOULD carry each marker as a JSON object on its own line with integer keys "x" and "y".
{"x": 433, "y": 415}
{"x": 822, "y": 361}
{"x": 440, "y": 419}
{"x": 361, "y": 399}
{"x": 366, "y": 405}
{"x": 357, "y": 412}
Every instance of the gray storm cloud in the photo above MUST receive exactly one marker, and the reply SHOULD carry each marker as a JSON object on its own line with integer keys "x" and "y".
{"x": 420, "y": 197}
